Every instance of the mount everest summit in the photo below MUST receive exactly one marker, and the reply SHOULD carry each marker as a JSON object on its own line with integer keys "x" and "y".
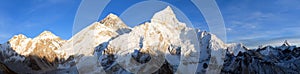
{"x": 163, "y": 45}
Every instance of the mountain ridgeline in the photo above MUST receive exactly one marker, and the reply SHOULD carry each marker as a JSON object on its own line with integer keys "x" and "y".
{"x": 162, "y": 46}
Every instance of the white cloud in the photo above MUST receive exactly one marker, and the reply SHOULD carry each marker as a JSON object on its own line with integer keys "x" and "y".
{"x": 229, "y": 29}
{"x": 258, "y": 15}
{"x": 243, "y": 25}
{"x": 274, "y": 38}
{"x": 249, "y": 21}
{"x": 265, "y": 25}
{"x": 40, "y": 4}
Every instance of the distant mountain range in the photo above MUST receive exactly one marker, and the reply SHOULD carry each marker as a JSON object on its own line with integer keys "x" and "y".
{"x": 162, "y": 46}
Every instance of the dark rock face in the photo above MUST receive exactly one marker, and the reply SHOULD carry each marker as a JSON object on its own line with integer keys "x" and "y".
{"x": 166, "y": 68}
{"x": 5, "y": 69}
{"x": 266, "y": 60}
{"x": 141, "y": 57}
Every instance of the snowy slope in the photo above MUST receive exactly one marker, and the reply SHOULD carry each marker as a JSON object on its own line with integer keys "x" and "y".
{"x": 85, "y": 41}
{"x": 154, "y": 38}
{"x": 163, "y": 38}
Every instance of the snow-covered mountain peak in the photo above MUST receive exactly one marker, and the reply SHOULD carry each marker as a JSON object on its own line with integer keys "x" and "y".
{"x": 113, "y": 21}
{"x": 112, "y": 16}
{"x": 18, "y": 42}
{"x": 93, "y": 35}
{"x": 286, "y": 43}
{"x": 46, "y": 35}
{"x": 168, "y": 10}
{"x": 164, "y": 16}
{"x": 21, "y": 36}
{"x": 17, "y": 37}
{"x": 167, "y": 18}
{"x": 236, "y": 48}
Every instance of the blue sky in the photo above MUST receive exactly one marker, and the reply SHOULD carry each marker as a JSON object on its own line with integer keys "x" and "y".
{"x": 252, "y": 22}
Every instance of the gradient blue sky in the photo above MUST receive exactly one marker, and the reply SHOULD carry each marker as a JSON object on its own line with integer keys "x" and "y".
{"x": 252, "y": 22}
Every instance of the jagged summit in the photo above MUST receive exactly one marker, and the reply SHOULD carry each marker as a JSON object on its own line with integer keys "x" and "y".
{"x": 17, "y": 40}
{"x": 19, "y": 36}
{"x": 236, "y": 48}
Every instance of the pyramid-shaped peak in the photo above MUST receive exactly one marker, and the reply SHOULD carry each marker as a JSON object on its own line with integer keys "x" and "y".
{"x": 46, "y": 34}
{"x": 112, "y": 20}
{"x": 166, "y": 15}
{"x": 286, "y": 43}
{"x": 111, "y": 15}
{"x": 168, "y": 9}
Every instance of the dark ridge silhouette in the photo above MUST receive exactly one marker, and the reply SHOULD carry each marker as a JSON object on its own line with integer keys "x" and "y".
{"x": 270, "y": 60}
